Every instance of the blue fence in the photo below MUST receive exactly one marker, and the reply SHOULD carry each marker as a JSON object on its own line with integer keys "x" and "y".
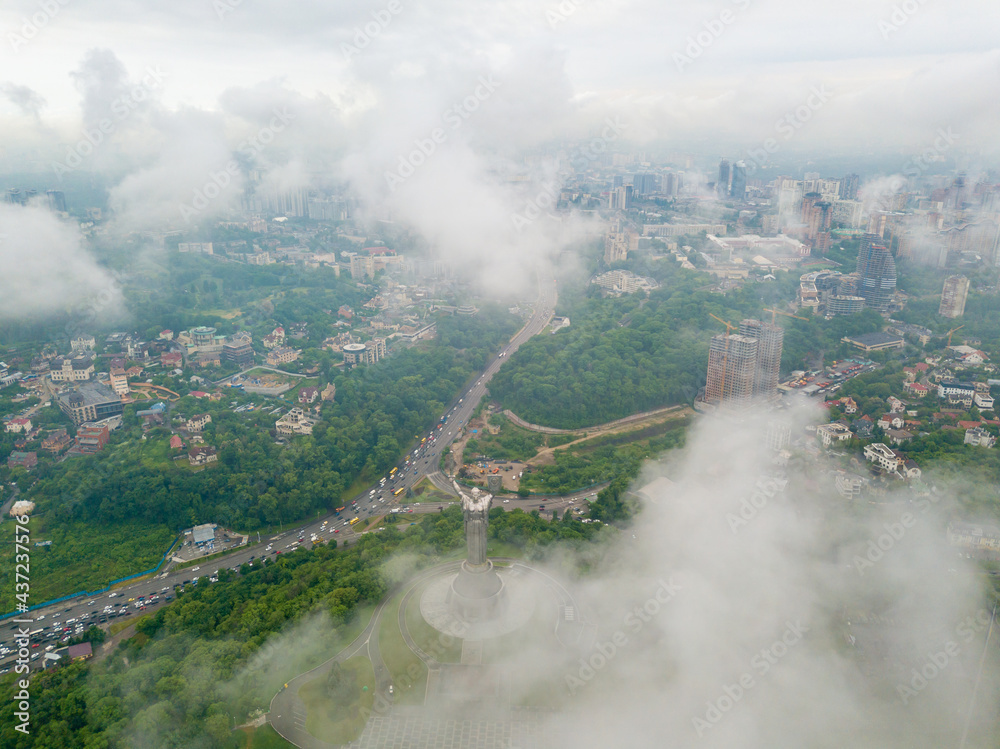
{"x": 105, "y": 589}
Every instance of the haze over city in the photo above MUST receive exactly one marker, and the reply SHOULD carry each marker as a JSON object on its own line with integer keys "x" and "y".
{"x": 499, "y": 374}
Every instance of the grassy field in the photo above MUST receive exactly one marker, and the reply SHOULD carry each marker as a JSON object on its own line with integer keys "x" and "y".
{"x": 427, "y": 638}
{"x": 425, "y": 491}
{"x": 82, "y": 557}
{"x": 265, "y": 737}
{"x": 409, "y": 674}
{"x": 338, "y": 722}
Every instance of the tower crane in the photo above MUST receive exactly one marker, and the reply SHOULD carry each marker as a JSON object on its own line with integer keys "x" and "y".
{"x": 785, "y": 314}
{"x": 953, "y": 330}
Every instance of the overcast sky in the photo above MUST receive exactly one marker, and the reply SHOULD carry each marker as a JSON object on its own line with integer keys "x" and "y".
{"x": 893, "y": 75}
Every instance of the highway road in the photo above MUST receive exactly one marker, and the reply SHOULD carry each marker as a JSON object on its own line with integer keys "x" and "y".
{"x": 374, "y": 501}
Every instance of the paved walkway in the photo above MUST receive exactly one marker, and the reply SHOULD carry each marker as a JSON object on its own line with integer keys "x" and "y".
{"x": 593, "y": 429}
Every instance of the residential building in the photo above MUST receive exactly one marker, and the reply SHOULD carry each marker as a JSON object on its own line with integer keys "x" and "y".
{"x": 119, "y": 381}
{"x": 172, "y": 360}
{"x": 56, "y": 441}
{"x": 883, "y": 456}
{"x": 915, "y": 388}
{"x": 81, "y": 652}
{"x": 979, "y": 437}
{"x": 863, "y": 427}
{"x": 975, "y": 537}
{"x": 282, "y": 355}
{"x": 91, "y": 438}
{"x": 308, "y": 395}
{"x": 27, "y": 461}
{"x": 877, "y": 272}
{"x": 953, "y": 296}
{"x": 362, "y": 267}
{"x": 198, "y": 423}
{"x": 770, "y": 340}
{"x": 275, "y": 338}
{"x": 834, "y": 433}
{"x": 624, "y": 282}
{"x": 294, "y": 422}
{"x": 732, "y": 367}
{"x": 898, "y": 436}
{"x": 891, "y": 421}
{"x": 238, "y": 349}
{"x": 199, "y": 456}
{"x": 18, "y": 426}
{"x": 176, "y": 443}
{"x": 983, "y": 401}
{"x": 849, "y": 485}
{"x": 948, "y": 388}
{"x": 849, "y": 405}
{"x": 83, "y": 343}
{"x": 738, "y": 187}
{"x": 837, "y": 304}
{"x": 329, "y": 392}
{"x": 71, "y": 369}
{"x": 91, "y": 401}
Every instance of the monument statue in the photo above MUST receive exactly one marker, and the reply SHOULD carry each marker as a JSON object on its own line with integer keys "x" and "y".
{"x": 477, "y": 590}
{"x": 476, "y": 510}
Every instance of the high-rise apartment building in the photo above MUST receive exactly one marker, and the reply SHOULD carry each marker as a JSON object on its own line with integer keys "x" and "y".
{"x": 876, "y": 273}
{"x": 849, "y": 187}
{"x": 732, "y": 366}
{"x": 722, "y": 186}
{"x": 953, "y": 296}
{"x": 738, "y": 189}
{"x": 770, "y": 341}
{"x": 646, "y": 184}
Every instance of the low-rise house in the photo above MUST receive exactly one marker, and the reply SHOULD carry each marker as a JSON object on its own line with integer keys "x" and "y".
{"x": 849, "y": 405}
{"x": 895, "y": 404}
{"x": 176, "y": 443}
{"x": 979, "y": 437}
{"x": 898, "y": 436}
{"x": 983, "y": 539}
{"x": 294, "y": 422}
{"x": 17, "y": 426}
{"x": 833, "y": 433}
{"x": 275, "y": 338}
{"x": 883, "y": 456}
{"x": 863, "y": 427}
{"x": 71, "y": 369}
{"x": 282, "y": 355}
{"x": 24, "y": 460}
{"x": 198, "y": 423}
{"x": 199, "y": 456}
{"x": 890, "y": 421}
{"x": 915, "y": 388}
{"x": 329, "y": 392}
{"x": 91, "y": 438}
{"x": 56, "y": 441}
{"x": 81, "y": 652}
{"x": 172, "y": 359}
{"x": 910, "y": 469}
{"x": 308, "y": 395}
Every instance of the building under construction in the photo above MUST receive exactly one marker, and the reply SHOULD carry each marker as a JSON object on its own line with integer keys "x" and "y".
{"x": 770, "y": 341}
{"x": 732, "y": 367}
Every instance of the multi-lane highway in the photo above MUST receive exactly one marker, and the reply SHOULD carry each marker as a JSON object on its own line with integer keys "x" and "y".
{"x": 381, "y": 498}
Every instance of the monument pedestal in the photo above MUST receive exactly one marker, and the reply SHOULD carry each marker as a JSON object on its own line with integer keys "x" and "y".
{"x": 477, "y": 592}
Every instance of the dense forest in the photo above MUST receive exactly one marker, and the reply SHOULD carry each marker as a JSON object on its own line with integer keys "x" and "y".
{"x": 220, "y": 651}
{"x": 628, "y": 354}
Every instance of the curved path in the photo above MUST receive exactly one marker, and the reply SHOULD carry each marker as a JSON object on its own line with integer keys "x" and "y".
{"x": 592, "y": 430}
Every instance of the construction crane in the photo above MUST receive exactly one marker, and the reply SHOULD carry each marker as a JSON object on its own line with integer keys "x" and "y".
{"x": 953, "y": 330}
{"x": 786, "y": 314}
{"x": 725, "y": 355}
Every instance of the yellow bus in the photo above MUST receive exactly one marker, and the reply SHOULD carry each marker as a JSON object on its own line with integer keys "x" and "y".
{"x": 354, "y": 520}
{"x": 399, "y": 491}
{"x": 393, "y": 471}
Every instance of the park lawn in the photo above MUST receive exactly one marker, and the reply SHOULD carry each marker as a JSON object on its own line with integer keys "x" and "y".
{"x": 409, "y": 674}
{"x": 265, "y": 737}
{"x": 336, "y": 722}
{"x": 425, "y": 491}
{"x": 83, "y": 557}
{"x": 427, "y": 638}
